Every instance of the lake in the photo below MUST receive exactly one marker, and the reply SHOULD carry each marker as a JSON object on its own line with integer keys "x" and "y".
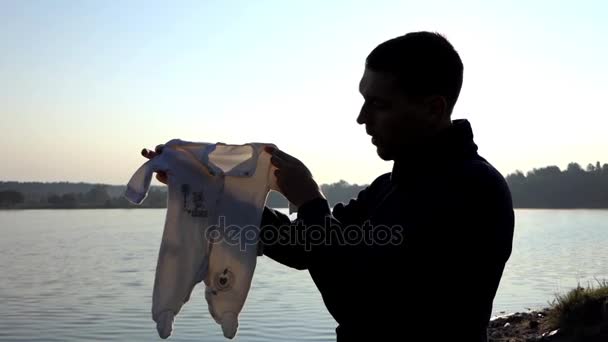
{"x": 73, "y": 275}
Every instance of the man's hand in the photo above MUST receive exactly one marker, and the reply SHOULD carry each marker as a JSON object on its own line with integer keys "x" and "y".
{"x": 161, "y": 176}
{"x": 293, "y": 178}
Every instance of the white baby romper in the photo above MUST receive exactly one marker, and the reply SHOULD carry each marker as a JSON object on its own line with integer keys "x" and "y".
{"x": 216, "y": 196}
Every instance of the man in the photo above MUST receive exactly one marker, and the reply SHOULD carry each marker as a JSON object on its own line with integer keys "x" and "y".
{"x": 441, "y": 222}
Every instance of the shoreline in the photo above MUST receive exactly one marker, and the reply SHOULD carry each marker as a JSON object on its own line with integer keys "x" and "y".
{"x": 522, "y": 327}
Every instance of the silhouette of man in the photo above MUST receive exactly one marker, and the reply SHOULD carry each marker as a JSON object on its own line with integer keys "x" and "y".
{"x": 433, "y": 235}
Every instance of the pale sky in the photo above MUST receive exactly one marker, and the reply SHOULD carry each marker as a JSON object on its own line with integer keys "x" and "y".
{"x": 84, "y": 85}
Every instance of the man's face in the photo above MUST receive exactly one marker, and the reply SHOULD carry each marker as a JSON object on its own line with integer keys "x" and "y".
{"x": 395, "y": 122}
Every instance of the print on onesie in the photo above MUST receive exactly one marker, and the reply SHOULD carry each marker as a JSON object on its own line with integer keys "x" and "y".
{"x": 197, "y": 207}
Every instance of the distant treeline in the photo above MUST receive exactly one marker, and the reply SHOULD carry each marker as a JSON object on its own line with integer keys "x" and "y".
{"x": 40, "y": 189}
{"x": 97, "y": 196}
{"x": 547, "y": 187}
{"x": 550, "y": 187}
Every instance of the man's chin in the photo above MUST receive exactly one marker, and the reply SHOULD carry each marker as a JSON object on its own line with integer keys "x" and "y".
{"x": 384, "y": 154}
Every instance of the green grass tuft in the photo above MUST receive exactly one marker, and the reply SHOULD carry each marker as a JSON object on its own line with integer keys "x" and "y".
{"x": 579, "y": 309}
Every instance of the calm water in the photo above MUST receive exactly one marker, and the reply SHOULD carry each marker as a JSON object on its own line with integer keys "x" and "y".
{"x": 88, "y": 275}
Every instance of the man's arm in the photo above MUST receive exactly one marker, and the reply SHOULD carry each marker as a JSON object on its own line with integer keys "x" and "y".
{"x": 282, "y": 245}
{"x": 464, "y": 246}
{"x": 317, "y": 211}
{"x": 486, "y": 218}
{"x": 275, "y": 239}
{"x": 302, "y": 245}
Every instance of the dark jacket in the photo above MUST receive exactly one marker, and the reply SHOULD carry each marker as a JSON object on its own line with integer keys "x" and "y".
{"x": 449, "y": 218}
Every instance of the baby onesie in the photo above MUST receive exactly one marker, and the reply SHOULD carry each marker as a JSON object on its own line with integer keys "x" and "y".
{"x": 216, "y": 196}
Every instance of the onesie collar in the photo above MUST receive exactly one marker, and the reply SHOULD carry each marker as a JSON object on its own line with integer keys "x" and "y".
{"x": 244, "y": 168}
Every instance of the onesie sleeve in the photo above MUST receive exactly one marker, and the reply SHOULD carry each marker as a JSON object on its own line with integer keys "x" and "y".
{"x": 139, "y": 184}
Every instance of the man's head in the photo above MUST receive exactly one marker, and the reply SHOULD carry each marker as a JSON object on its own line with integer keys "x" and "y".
{"x": 410, "y": 86}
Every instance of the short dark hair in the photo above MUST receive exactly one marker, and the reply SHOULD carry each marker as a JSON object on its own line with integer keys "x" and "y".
{"x": 425, "y": 63}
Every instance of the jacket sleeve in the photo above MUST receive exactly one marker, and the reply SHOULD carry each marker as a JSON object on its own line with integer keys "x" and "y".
{"x": 317, "y": 211}
{"x": 485, "y": 220}
{"x": 276, "y": 234}
{"x": 292, "y": 243}
{"x": 470, "y": 241}
{"x": 481, "y": 249}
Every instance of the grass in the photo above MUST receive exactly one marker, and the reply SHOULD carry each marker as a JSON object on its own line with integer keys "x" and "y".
{"x": 580, "y": 310}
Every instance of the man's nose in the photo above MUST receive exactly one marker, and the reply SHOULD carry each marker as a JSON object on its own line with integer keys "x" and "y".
{"x": 362, "y": 118}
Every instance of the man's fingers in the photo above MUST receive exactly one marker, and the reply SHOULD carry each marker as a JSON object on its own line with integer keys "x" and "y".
{"x": 279, "y": 179}
{"x": 148, "y": 153}
{"x": 278, "y": 153}
{"x": 284, "y": 156}
{"x": 277, "y": 161}
{"x": 162, "y": 177}
{"x": 159, "y": 148}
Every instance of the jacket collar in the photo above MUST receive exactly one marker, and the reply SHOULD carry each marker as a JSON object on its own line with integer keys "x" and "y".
{"x": 453, "y": 143}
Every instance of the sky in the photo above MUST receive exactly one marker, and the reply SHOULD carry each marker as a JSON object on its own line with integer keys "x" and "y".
{"x": 85, "y": 85}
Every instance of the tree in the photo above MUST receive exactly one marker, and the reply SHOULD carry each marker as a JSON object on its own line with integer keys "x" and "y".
{"x": 548, "y": 187}
{"x": 156, "y": 199}
{"x": 97, "y": 195}
{"x": 341, "y": 191}
{"x": 574, "y": 168}
{"x": 68, "y": 200}
{"x": 54, "y": 199}
{"x": 10, "y": 198}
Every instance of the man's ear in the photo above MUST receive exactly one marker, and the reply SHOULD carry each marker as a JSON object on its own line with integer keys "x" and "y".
{"x": 437, "y": 107}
